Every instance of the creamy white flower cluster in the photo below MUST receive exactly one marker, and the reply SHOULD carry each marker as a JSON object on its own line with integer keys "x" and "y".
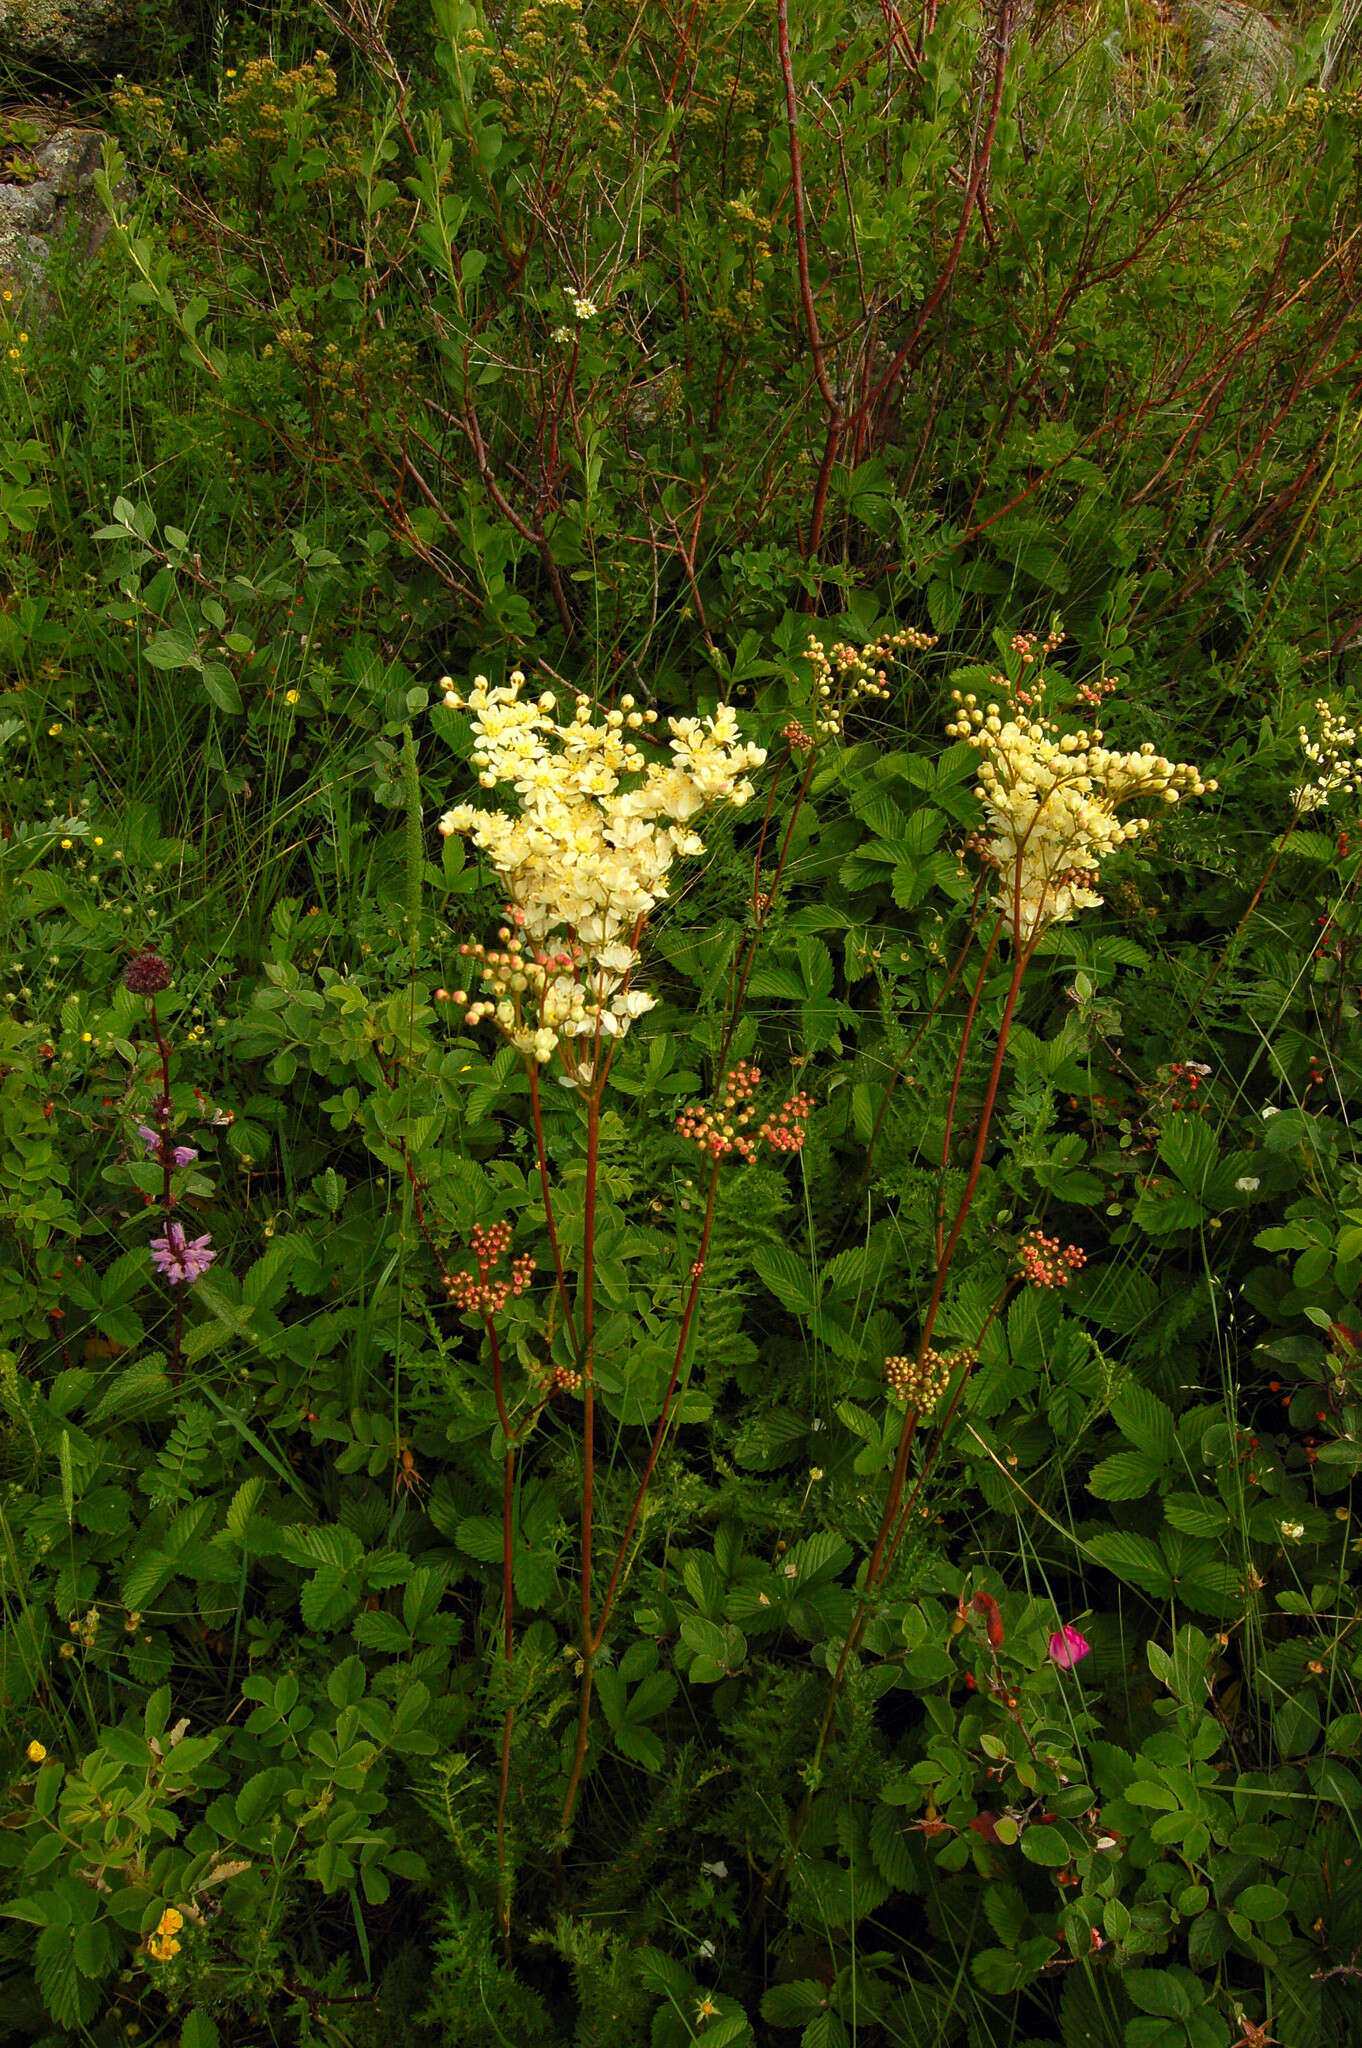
{"x": 1339, "y": 768}
{"x": 1051, "y": 801}
{"x": 586, "y": 857}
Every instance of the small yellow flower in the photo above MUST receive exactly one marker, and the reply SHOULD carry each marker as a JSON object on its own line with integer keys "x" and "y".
{"x": 290, "y": 696}
{"x": 230, "y": 73}
{"x": 67, "y": 844}
{"x": 6, "y": 296}
{"x": 23, "y": 337}
{"x": 170, "y": 1922}
{"x": 87, "y": 1037}
{"x": 35, "y": 1753}
{"x": 53, "y": 730}
{"x": 98, "y": 841}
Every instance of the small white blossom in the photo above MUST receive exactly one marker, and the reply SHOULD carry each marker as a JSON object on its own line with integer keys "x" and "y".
{"x": 1292, "y": 1531}
{"x": 1247, "y": 1184}
{"x": 1271, "y": 1110}
{"x": 714, "y": 1869}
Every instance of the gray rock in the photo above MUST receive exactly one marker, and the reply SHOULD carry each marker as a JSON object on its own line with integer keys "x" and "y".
{"x": 1238, "y": 56}
{"x": 61, "y": 200}
{"x": 67, "y": 31}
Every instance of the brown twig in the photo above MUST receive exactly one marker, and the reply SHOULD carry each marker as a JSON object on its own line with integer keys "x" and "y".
{"x": 831, "y": 402}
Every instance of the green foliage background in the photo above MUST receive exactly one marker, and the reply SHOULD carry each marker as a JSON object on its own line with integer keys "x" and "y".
{"x": 320, "y": 426}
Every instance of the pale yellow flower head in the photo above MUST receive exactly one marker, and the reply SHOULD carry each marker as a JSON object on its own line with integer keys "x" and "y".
{"x": 585, "y": 856}
{"x": 1332, "y": 760}
{"x": 1051, "y": 799}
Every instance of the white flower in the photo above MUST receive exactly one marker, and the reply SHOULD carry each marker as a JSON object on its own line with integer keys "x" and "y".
{"x": 1292, "y": 1531}
{"x": 561, "y": 334}
{"x": 714, "y": 1869}
{"x": 1247, "y": 1183}
{"x": 1271, "y": 1110}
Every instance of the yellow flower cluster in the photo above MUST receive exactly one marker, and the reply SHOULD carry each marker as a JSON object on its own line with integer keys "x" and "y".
{"x": 1332, "y": 755}
{"x": 1051, "y": 800}
{"x": 162, "y": 1945}
{"x": 586, "y": 857}
{"x": 843, "y": 674}
{"x": 921, "y": 1383}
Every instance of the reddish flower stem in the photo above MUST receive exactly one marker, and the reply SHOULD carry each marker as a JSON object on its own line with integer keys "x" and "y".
{"x": 891, "y": 1522}
{"x": 547, "y": 1193}
{"x": 965, "y": 1035}
{"x": 900, "y": 1065}
{"x": 508, "y": 1628}
{"x": 697, "y": 1276}
{"x": 593, "y": 1126}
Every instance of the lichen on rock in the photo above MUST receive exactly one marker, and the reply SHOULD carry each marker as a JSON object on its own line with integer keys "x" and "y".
{"x": 38, "y": 212}
{"x": 66, "y": 31}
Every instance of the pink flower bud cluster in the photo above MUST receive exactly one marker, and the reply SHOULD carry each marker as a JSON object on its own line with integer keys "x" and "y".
{"x": 1045, "y": 1264}
{"x": 843, "y": 674}
{"x": 559, "y": 1379}
{"x": 480, "y": 1293}
{"x": 1025, "y": 644}
{"x": 723, "y": 1126}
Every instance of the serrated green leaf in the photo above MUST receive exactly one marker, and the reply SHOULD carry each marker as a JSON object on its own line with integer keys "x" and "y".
{"x": 71, "y": 1998}
{"x": 382, "y": 1632}
{"x": 788, "y": 1278}
{"x": 1133, "y": 1559}
{"x": 793, "y": 2004}
{"x": 1145, "y": 1421}
{"x": 1126, "y": 1475}
{"x": 329, "y": 1597}
{"x": 1196, "y": 1515}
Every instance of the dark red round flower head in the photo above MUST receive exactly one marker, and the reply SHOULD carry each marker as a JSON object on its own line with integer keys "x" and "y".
{"x": 147, "y": 975}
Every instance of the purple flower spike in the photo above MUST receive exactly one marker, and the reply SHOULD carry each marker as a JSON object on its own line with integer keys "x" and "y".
{"x": 181, "y": 1155}
{"x": 1067, "y": 1646}
{"x": 182, "y": 1261}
